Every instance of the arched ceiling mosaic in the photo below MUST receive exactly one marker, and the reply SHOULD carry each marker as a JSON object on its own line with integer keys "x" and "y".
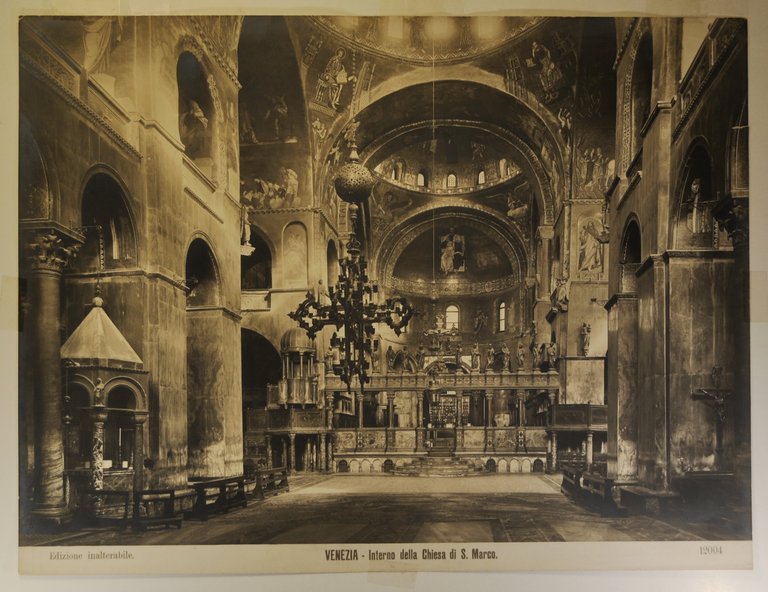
{"x": 427, "y": 39}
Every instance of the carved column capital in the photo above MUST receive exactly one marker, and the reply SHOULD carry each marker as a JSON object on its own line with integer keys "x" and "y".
{"x": 50, "y": 249}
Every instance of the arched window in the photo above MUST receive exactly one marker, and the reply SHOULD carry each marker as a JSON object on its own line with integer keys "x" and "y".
{"x": 629, "y": 259}
{"x": 503, "y": 168}
{"x": 451, "y": 181}
{"x": 256, "y": 269}
{"x": 398, "y": 170}
{"x": 195, "y": 111}
{"x": 104, "y": 212}
{"x": 481, "y": 177}
{"x": 502, "y": 316}
{"x": 202, "y": 277}
{"x": 452, "y": 317}
{"x": 421, "y": 179}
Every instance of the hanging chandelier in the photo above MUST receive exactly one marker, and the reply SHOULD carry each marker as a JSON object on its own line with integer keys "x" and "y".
{"x": 355, "y": 301}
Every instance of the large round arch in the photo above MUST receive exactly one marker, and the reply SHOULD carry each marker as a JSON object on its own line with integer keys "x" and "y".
{"x": 202, "y": 274}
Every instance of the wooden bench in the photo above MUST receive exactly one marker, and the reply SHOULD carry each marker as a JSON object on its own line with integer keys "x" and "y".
{"x": 270, "y": 482}
{"x": 571, "y": 480}
{"x": 157, "y": 507}
{"x": 218, "y": 495}
{"x": 106, "y": 507}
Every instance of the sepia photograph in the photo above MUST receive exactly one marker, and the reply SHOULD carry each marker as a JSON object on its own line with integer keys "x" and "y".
{"x": 388, "y": 292}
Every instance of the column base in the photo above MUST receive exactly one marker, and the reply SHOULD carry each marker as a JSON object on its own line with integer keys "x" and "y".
{"x": 50, "y": 517}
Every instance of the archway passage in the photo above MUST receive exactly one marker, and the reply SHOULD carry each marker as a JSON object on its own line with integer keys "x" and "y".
{"x": 262, "y": 366}
{"x": 107, "y": 224}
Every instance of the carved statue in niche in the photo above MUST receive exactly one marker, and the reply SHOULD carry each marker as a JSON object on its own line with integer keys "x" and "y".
{"x": 584, "y": 334}
{"x": 590, "y": 249}
{"x": 452, "y": 252}
{"x": 699, "y": 216}
{"x": 277, "y": 116}
{"x": 332, "y": 80}
{"x": 193, "y": 125}
{"x": 475, "y": 357}
{"x": 100, "y": 35}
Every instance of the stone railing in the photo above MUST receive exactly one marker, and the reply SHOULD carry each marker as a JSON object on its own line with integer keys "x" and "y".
{"x": 580, "y": 417}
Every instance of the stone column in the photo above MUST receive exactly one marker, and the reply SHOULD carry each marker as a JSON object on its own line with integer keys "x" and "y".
{"x": 520, "y": 396}
{"x": 488, "y": 403}
{"x": 292, "y": 454}
{"x": 139, "y": 419}
{"x": 553, "y": 440}
{"x": 359, "y": 401}
{"x": 419, "y": 421}
{"x": 323, "y": 454}
{"x": 268, "y": 440}
{"x": 49, "y": 252}
{"x": 284, "y": 457}
{"x": 98, "y": 417}
{"x": 589, "y": 449}
{"x": 307, "y": 455}
{"x": 544, "y": 234}
{"x": 329, "y": 410}
{"x": 391, "y": 409}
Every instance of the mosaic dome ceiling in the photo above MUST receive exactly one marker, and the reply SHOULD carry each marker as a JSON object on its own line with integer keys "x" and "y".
{"x": 428, "y": 39}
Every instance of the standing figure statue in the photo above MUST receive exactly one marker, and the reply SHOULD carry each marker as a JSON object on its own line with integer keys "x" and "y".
{"x": 420, "y": 356}
{"x": 536, "y": 356}
{"x": 476, "y": 357}
{"x": 458, "y": 353}
{"x": 506, "y": 357}
{"x": 584, "y": 333}
{"x": 390, "y": 358}
{"x": 490, "y": 356}
{"x": 520, "y": 356}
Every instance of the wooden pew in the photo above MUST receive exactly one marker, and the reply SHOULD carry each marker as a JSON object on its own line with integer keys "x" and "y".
{"x": 218, "y": 495}
{"x": 571, "y": 480}
{"x": 106, "y": 507}
{"x": 270, "y": 482}
{"x": 153, "y": 507}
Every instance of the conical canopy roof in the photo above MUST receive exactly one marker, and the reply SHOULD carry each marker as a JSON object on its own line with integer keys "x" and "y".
{"x": 97, "y": 339}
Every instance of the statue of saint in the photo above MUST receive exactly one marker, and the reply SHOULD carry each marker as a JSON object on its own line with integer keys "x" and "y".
{"x": 506, "y": 357}
{"x": 390, "y": 358}
{"x": 476, "y": 357}
{"x": 585, "y": 333}
{"x": 490, "y": 357}
{"x": 520, "y": 356}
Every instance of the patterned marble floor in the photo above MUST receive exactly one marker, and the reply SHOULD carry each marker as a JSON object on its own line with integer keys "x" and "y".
{"x": 361, "y": 509}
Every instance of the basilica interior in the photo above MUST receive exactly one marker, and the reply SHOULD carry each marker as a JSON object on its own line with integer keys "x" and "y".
{"x": 541, "y": 224}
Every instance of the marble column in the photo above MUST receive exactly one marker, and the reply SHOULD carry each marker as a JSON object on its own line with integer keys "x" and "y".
{"x": 488, "y": 433}
{"x": 307, "y": 456}
{"x": 359, "y": 401}
{"x": 520, "y": 395}
{"x": 329, "y": 410}
{"x": 268, "y": 440}
{"x": 590, "y": 437}
{"x": 49, "y": 250}
{"x": 323, "y": 454}
{"x": 139, "y": 419}
{"x": 98, "y": 418}
{"x": 284, "y": 457}
{"x": 292, "y": 453}
{"x": 391, "y": 409}
{"x": 553, "y": 440}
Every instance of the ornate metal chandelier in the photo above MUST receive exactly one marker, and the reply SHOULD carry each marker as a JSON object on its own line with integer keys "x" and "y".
{"x": 354, "y": 302}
